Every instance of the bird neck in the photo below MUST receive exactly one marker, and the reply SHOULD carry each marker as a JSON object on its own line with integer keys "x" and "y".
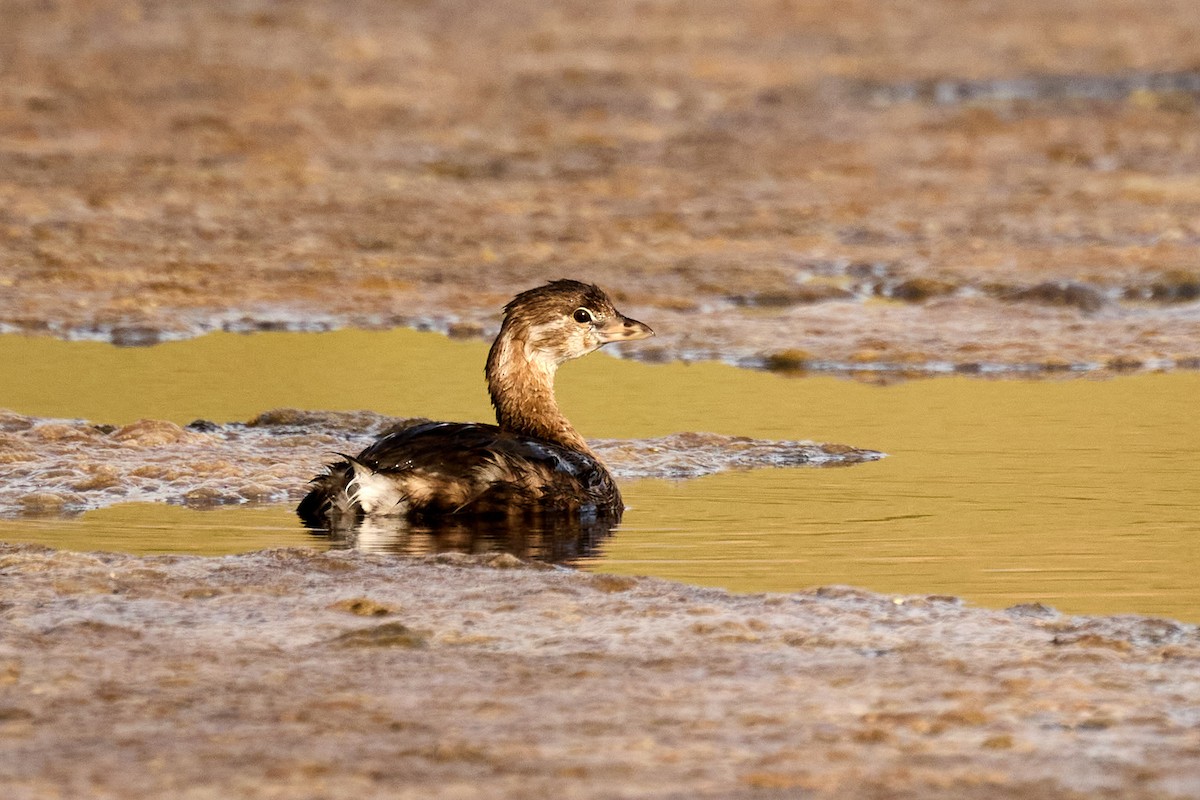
{"x": 521, "y": 384}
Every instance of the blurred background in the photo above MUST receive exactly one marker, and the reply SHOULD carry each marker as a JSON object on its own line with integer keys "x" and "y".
{"x": 969, "y": 184}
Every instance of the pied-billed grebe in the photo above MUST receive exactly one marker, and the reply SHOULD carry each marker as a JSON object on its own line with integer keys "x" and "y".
{"x": 533, "y": 460}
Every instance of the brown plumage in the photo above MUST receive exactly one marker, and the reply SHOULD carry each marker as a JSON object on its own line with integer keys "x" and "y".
{"x": 531, "y": 462}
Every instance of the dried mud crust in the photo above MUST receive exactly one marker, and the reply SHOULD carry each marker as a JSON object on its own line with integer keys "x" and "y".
{"x": 856, "y": 185}
{"x": 292, "y": 673}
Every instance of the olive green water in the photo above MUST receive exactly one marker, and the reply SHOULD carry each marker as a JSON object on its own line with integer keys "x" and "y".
{"x": 1082, "y": 494}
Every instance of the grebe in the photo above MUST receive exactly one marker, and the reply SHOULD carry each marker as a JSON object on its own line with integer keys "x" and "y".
{"x": 531, "y": 461}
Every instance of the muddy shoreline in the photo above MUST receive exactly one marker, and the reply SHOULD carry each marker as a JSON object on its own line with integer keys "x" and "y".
{"x": 824, "y": 188}
{"x": 67, "y": 466}
{"x": 294, "y": 673}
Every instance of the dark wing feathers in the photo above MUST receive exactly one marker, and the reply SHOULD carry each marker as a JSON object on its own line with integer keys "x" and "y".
{"x": 458, "y": 450}
{"x": 449, "y": 467}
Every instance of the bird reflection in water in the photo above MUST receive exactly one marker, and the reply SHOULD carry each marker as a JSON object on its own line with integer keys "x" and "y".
{"x": 554, "y": 539}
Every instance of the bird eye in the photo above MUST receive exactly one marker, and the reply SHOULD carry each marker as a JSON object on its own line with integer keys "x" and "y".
{"x": 582, "y": 316}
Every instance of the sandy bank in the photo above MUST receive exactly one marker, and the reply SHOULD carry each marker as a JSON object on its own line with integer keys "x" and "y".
{"x": 290, "y": 673}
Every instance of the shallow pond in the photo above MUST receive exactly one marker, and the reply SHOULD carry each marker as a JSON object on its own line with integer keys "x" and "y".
{"x": 1077, "y": 493}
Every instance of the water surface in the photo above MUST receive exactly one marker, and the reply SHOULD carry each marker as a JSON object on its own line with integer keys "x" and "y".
{"x": 1076, "y": 493}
